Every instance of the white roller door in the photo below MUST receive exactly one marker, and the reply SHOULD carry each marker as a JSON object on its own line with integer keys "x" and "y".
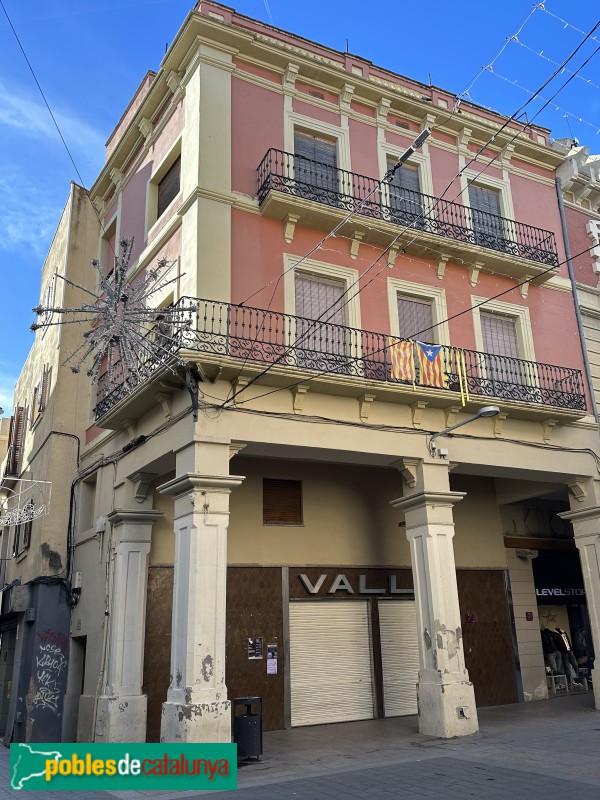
{"x": 331, "y": 672}
{"x": 399, "y": 656}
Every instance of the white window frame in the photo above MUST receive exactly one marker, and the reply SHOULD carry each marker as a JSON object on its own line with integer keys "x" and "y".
{"x": 158, "y": 173}
{"x": 337, "y": 133}
{"x": 520, "y": 315}
{"x": 485, "y": 181}
{"x": 319, "y": 269}
{"x": 437, "y": 297}
{"x": 420, "y": 160}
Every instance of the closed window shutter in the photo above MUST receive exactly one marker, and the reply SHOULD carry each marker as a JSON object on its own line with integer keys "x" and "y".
{"x": 282, "y": 502}
{"x": 315, "y": 295}
{"x": 484, "y": 200}
{"x": 499, "y": 335}
{"x": 406, "y": 177}
{"x": 415, "y": 317}
{"x": 316, "y": 164}
{"x": 168, "y": 188}
{"x": 14, "y": 454}
{"x": 405, "y": 192}
{"x": 45, "y": 389}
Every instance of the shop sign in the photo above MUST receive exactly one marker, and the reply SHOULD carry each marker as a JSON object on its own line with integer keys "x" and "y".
{"x": 558, "y": 592}
{"x": 341, "y": 583}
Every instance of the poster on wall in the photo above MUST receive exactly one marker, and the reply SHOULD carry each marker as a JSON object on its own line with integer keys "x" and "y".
{"x": 255, "y": 647}
{"x": 272, "y": 659}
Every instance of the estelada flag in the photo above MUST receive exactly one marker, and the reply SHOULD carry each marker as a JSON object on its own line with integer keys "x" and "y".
{"x": 402, "y": 360}
{"x": 430, "y": 365}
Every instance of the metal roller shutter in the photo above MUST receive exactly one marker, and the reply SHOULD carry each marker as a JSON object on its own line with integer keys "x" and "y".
{"x": 330, "y": 662}
{"x": 399, "y": 656}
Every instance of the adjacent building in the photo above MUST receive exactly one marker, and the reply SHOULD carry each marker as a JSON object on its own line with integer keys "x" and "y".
{"x": 50, "y": 414}
{"x": 261, "y": 509}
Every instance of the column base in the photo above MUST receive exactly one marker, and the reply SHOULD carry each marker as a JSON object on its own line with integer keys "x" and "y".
{"x": 595, "y": 676}
{"x": 196, "y": 722}
{"x": 446, "y": 705}
{"x": 121, "y": 719}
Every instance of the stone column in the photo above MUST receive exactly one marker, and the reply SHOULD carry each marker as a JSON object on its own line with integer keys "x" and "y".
{"x": 197, "y": 708}
{"x": 445, "y": 695}
{"x": 121, "y": 713}
{"x": 586, "y": 529}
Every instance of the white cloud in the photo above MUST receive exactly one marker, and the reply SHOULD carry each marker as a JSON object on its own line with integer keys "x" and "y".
{"x": 7, "y": 388}
{"x": 30, "y": 117}
{"x": 27, "y": 218}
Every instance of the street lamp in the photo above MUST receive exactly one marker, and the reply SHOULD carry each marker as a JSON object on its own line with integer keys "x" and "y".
{"x": 486, "y": 411}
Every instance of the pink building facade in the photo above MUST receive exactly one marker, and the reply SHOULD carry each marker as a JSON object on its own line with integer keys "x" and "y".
{"x": 331, "y": 324}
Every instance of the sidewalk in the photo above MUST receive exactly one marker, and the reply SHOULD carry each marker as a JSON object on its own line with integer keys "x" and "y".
{"x": 532, "y": 751}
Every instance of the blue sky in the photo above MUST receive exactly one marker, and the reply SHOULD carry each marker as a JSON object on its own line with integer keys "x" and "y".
{"x": 90, "y": 55}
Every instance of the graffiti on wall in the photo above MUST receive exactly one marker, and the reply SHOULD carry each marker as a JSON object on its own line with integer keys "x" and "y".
{"x": 51, "y": 667}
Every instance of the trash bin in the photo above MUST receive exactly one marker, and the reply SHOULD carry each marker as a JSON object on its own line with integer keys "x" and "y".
{"x": 247, "y": 726}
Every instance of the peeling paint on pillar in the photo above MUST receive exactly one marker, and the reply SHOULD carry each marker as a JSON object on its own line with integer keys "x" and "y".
{"x": 208, "y": 668}
{"x": 179, "y": 678}
{"x": 427, "y": 639}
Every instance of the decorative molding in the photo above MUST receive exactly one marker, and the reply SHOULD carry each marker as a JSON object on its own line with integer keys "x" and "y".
{"x": 497, "y": 423}
{"x": 593, "y": 230}
{"x": 383, "y": 109}
{"x": 463, "y": 139}
{"x": 364, "y": 406}
{"x": 474, "y": 271}
{"x": 165, "y": 400}
{"x": 130, "y": 427}
{"x": 192, "y": 482}
{"x": 451, "y": 414}
{"x": 298, "y": 394}
{"x": 506, "y": 154}
{"x": 577, "y": 489}
{"x": 142, "y": 481}
{"x": 290, "y": 75}
{"x": 173, "y": 81}
{"x": 441, "y": 265}
{"x": 116, "y": 177}
{"x": 146, "y": 128}
{"x": 355, "y": 241}
{"x": 417, "y": 412}
{"x": 428, "y": 499}
{"x": 238, "y": 385}
{"x": 524, "y": 287}
{"x": 235, "y": 448}
{"x": 346, "y": 96}
{"x": 548, "y": 426}
{"x": 391, "y": 255}
{"x": 289, "y": 227}
{"x": 407, "y": 467}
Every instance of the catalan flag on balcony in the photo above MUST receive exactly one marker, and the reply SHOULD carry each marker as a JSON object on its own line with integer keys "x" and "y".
{"x": 430, "y": 365}
{"x": 461, "y": 369}
{"x": 402, "y": 360}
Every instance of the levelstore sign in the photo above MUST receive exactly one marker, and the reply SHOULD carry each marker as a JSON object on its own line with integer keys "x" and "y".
{"x": 116, "y": 767}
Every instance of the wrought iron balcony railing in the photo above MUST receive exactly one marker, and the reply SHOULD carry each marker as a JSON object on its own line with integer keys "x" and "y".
{"x": 272, "y": 338}
{"x": 311, "y": 180}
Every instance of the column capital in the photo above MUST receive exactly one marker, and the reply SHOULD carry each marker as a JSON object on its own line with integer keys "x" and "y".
{"x": 581, "y": 514}
{"x": 121, "y": 516}
{"x": 423, "y": 499}
{"x": 190, "y": 482}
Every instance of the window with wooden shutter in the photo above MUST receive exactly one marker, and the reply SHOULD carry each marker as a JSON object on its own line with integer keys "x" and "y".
{"x": 45, "y": 387}
{"x": 486, "y": 215}
{"x": 499, "y": 335}
{"x": 319, "y": 298}
{"x": 16, "y": 541}
{"x": 315, "y": 162}
{"x": 282, "y": 502}
{"x": 415, "y": 319}
{"x": 406, "y": 203}
{"x": 15, "y": 441}
{"x": 168, "y": 188}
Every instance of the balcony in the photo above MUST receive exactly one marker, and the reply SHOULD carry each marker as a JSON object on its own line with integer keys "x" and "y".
{"x": 230, "y": 337}
{"x": 322, "y": 196}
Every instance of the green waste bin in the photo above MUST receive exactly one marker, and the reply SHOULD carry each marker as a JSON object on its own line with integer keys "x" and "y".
{"x": 247, "y": 726}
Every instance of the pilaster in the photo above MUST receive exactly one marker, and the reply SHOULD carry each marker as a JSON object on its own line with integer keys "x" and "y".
{"x": 445, "y": 694}
{"x": 586, "y": 530}
{"x": 121, "y": 715}
{"x": 197, "y": 708}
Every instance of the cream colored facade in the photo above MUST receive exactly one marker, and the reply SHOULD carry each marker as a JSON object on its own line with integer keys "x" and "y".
{"x": 53, "y": 406}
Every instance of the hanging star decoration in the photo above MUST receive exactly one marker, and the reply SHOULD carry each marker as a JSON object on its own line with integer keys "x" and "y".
{"x": 549, "y": 617}
{"x": 127, "y": 336}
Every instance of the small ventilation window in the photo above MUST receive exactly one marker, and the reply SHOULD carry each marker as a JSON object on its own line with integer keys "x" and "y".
{"x": 168, "y": 188}
{"x": 314, "y": 93}
{"x": 282, "y": 502}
